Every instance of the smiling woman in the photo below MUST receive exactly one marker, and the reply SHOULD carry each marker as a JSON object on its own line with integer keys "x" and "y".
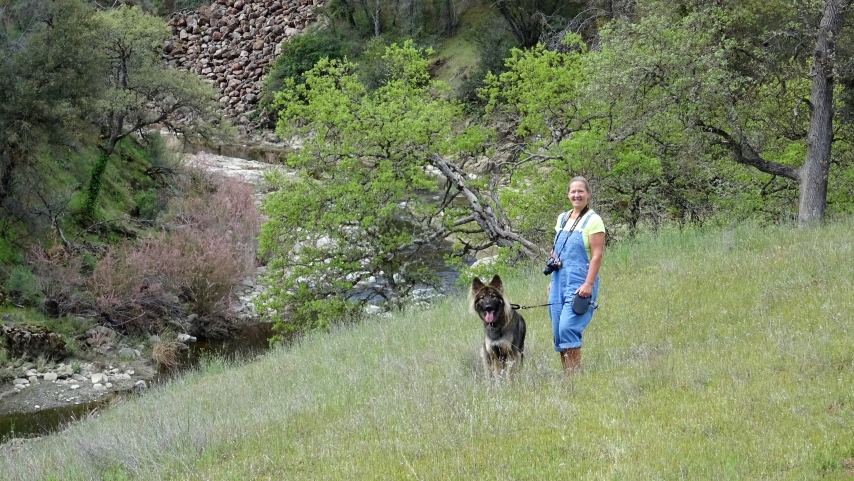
{"x": 577, "y": 257}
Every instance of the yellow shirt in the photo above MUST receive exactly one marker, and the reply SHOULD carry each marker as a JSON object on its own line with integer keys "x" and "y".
{"x": 594, "y": 224}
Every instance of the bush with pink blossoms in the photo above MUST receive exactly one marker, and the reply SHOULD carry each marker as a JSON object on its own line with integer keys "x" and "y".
{"x": 190, "y": 267}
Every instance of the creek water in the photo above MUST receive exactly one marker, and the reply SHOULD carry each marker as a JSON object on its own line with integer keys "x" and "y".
{"x": 45, "y": 421}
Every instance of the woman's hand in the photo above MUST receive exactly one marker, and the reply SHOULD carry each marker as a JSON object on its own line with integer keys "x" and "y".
{"x": 586, "y": 290}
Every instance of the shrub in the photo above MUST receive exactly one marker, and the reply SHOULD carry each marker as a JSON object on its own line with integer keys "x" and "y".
{"x": 203, "y": 268}
{"x": 72, "y": 346}
{"x": 21, "y": 286}
{"x": 217, "y": 203}
{"x": 210, "y": 248}
{"x": 148, "y": 204}
{"x": 126, "y": 287}
{"x": 300, "y": 53}
{"x": 8, "y": 253}
{"x": 59, "y": 275}
{"x": 167, "y": 353}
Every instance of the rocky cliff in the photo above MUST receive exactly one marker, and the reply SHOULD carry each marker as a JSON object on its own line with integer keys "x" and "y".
{"x": 232, "y": 43}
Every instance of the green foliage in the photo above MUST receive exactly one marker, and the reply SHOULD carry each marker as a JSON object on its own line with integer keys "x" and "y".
{"x": 68, "y": 326}
{"x": 558, "y": 134}
{"x": 21, "y": 286}
{"x": 148, "y": 204}
{"x": 705, "y": 82}
{"x": 165, "y": 7}
{"x": 8, "y": 253}
{"x": 419, "y": 20}
{"x": 371, "y": 68}
{"x": 49, "y": 80}
{"x": 141, "y": 91}
{"x": 94, "y": 188}
{"x": 492, "y": 46}
{"x": 358, "y": 210}
{"x": 300, "y": 53}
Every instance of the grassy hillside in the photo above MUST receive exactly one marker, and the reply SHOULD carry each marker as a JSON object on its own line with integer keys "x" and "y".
{"x": 723, "y": 355}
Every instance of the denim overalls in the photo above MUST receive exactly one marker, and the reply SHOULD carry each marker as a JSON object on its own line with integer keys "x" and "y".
{"x": 567, "y": 325}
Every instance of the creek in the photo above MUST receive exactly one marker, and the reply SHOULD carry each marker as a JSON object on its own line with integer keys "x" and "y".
{"x": 250, "y": 341}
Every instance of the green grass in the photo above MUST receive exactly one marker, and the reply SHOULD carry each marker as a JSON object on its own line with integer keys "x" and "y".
{"x": 720, "y": 355}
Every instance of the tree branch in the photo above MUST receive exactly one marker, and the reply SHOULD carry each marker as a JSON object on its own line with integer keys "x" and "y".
{"x": 483, "y": 215}
{"x": 744, "y": 154}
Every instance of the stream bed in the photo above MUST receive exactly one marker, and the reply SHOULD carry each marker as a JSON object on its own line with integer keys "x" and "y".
{"x": 250, "y": 341}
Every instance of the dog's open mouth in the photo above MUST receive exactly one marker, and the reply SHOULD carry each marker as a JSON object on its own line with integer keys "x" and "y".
{"x": 488, "y": 317}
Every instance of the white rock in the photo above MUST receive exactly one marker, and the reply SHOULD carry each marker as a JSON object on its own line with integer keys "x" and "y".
{"x": 99, "y": 387}
{"x": 186, "y": 338}
{"x": 372, "y": 309}
{"x": 97, "y": 378}
{"x": 50, "y": 376}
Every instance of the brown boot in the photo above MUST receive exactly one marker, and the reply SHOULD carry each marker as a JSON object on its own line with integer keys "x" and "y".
{"x": 571, "y": 360}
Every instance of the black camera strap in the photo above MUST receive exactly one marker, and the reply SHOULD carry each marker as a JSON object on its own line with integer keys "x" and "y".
{"x": 571, "y": 229}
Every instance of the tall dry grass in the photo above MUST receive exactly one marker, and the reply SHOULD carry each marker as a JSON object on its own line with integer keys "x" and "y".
{"x": 721, "y": 355}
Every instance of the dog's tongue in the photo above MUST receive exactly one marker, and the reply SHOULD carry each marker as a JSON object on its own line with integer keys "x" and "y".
{"x": 489, "y": 317}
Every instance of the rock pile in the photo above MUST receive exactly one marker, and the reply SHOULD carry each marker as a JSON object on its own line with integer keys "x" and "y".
{"x": 232, "y": 43}
{"x": 101, "y": 380}
{"x": 243, "y": 307}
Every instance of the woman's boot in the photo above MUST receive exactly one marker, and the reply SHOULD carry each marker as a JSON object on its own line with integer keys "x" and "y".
{"x": 571, "y": 360}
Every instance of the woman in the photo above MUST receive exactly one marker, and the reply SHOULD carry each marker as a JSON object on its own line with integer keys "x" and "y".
{"x": 578, "y": 246}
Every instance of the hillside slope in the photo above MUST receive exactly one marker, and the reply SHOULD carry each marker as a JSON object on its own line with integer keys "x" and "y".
{"x": 722, "y": 355}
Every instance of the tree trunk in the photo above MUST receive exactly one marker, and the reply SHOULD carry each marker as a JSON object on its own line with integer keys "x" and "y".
{"x": 813, "y": 173}
{"x": 448, "y": 16}
{"x": 6, "y": 178}
{"x": 377, "y": 12}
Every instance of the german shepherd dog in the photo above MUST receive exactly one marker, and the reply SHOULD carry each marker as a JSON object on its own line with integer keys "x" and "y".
{"x": 503, "y": 327}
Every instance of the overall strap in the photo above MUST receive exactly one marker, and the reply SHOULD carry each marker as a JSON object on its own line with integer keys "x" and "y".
{"x": 563, "y": 220}
{"x": 589, "y": 215}
{"x": 571, "y": 229}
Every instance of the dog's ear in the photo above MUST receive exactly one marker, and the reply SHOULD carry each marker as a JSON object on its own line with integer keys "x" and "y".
{"x": 496, "y": 283}
{"x": 476, "y": 285}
